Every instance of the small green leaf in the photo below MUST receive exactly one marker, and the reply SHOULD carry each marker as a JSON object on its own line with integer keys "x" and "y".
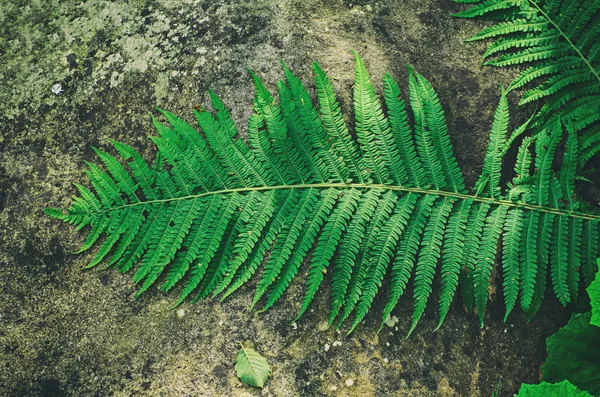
{"x": 545, "y": 389}
{"x": 251, "y": 367}
{"x": 594, "y": 292}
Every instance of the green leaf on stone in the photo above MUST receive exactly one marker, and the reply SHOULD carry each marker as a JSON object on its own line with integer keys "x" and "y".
{"x": 573, "y": 354}
{"x": 544, "y": 389}
{"x": 251, "y": 367}
{"x": 594, "y": 292}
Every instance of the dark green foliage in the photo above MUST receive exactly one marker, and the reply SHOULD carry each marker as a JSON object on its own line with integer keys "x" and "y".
{"x": 213, "y": 210}
{"x": 545, "y": 389}
{"x": 574, "y": 354}
{"x": 574, "y": 351}
{"x": 556, "y": 45}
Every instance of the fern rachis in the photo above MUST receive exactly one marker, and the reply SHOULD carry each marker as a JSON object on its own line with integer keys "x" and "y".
{"x": 208, "y": 211}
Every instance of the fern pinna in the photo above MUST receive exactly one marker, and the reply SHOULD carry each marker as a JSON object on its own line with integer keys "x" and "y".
{"x": 212, "y": 208}
{"x": 557, "y": 42}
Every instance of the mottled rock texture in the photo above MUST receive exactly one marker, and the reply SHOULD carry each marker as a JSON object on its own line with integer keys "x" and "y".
{"x": 76, "y": 73}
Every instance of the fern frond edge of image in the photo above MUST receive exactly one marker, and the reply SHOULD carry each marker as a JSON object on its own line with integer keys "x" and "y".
{"x": 390, "y": 202}
{"x": 556, "y": 46}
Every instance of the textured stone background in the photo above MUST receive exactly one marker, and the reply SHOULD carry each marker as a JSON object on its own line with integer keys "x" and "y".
{"x": 65, "y": 332}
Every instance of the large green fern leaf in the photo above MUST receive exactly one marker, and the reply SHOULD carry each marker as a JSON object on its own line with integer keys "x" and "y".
{"x": 214, "y": 210}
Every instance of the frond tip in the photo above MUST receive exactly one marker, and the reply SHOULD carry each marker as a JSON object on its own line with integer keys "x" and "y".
{"x": 392, "y": 200}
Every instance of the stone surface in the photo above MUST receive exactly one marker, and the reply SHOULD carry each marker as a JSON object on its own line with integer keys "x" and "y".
{"x": 75, "y": 73}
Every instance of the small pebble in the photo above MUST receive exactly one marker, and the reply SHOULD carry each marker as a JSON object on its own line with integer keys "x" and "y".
{"x": 349, "y": 382}
{"x": 180, "y": 313}
{"x": 57, "y": 88}
{"x": 327, "y": 347}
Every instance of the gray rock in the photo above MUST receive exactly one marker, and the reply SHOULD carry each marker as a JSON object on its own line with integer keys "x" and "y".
{"x": 74, "y": 74}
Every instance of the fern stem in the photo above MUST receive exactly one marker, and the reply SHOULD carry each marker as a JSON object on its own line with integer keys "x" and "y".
{"x": 455, "y": 195}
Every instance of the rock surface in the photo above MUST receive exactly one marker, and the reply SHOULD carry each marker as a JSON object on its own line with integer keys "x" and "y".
{"x": 75, "y": 73}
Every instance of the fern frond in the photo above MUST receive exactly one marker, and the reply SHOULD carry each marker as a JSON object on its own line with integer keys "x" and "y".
{"x": 348, "y": 250}
{"x": 408, "y": 247}
{"x": 425, "y": 149}
{"x": 453, "y": 255}
{"x": 382, "y": 212}
{"x": 378, "y": 254}
{"x": 511, "y": 274}
{"x": 283, "y": 155}
{"x": 312, "y": 225}
{"x": 403, "y": 133}
{"x": 438, "y": 131}
{"x": 492, "y": 164}
{"x": 237, "y": 231}
{"x": 428, "y": 257}
{"x": 487, "y": 257}
{"x": 574, "y": 253}
{"x": 489, "y": 6}
{"x": 285, "y": 241}
{"x": 557, "y": 43}
{"x": 248, "y": 239}
{"x": 373, "y": 131}
{"x": 335, "y": 125}
{"x": 528, "y": 254}
{"x": 559, "y": 262}
{"x": 327, "y": 244}
{"x": 333, "y": 167}
{"x": 212, "y": 209}
{"x": 285, "y": 201}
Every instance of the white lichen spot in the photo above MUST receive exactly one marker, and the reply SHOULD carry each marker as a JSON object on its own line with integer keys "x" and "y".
{"x": 180, "y": 313}
{"x": 349, "y": 382}
{"x": 391, "y": 321}
{"x": 322, "y": 326}
{"x": 385, "y": 360}
{"x": 115, "y": 79}
{"x": 139, "y": 65}
{"x": 333, "y": 388}
{"x": 57, "y": 88}
{"x": 327, "y": 347}
{"x": 337, "y": 343}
